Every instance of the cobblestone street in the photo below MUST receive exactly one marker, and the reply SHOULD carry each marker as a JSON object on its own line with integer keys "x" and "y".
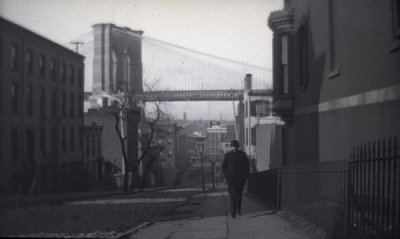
{"x": 105, "y": 217}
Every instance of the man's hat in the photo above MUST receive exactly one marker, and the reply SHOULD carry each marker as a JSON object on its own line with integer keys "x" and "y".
{"x": 235, "y": 143}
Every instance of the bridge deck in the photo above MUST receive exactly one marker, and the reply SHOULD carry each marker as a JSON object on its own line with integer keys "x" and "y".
{"x": 197, "y": 95}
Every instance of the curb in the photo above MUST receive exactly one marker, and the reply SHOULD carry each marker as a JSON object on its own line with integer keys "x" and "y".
{"x": 137, "y": 228}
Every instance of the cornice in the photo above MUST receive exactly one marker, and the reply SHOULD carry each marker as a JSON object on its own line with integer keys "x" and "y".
{"x": 281, "y": 20}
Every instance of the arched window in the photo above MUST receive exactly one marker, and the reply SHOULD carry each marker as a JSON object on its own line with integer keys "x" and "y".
{"x": 127, "y": 66}
{"x": 114, "y": 64}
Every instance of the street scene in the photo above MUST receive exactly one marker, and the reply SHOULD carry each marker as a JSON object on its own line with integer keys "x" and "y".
{"x": 199, "y": 119}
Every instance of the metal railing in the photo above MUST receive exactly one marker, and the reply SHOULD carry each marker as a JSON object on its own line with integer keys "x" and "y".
{"x": 374, "y": 185}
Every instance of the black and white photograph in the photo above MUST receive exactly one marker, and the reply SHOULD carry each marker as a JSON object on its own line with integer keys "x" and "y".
{"x": 217, "y": 119}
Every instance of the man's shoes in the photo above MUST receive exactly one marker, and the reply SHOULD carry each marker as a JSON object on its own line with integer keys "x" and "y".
{"x": 233, "y": 215}
{"x": 239, "y": 213}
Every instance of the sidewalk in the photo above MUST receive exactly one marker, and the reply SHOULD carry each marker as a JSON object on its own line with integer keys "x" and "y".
{"x": 206, "y": 216}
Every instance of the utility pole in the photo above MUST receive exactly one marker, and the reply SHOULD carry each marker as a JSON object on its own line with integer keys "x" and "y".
{"x": 202, "y": 172}
{"x": 213, "y": 173}
{"x": 77, "y": 43}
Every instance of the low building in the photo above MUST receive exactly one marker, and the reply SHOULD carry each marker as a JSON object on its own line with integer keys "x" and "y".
{"x": 215, "y": 135}
{"x": 41, "y": 112}
{"x": 165, "y": 140}
{"x": 94, "y": 160}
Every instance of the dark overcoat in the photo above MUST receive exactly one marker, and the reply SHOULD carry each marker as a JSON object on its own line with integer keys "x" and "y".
{"x": 235, "y": 167}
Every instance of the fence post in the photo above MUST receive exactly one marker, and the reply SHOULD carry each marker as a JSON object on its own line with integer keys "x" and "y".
{"x": 278, "y": 189}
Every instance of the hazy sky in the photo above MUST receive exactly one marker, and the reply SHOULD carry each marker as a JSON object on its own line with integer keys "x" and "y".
{"x": 234, "y": 29}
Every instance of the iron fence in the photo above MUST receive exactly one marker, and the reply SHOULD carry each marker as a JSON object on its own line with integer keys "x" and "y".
{"x": 317, "y": 192}
{"x": 264, "y": 185}
{"x": 352, "y": 198}
{"x": 374, "y": 187}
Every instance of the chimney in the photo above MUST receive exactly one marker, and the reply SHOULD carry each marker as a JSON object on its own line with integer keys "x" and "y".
{"x": 105, "y": 102}
{"x": 247, "y": 82}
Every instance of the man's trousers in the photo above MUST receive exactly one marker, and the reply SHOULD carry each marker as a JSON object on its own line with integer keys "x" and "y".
{"x": 235, "y": 191}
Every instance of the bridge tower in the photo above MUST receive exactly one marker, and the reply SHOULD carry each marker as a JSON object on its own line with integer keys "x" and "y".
{"x": 117, "y": 60}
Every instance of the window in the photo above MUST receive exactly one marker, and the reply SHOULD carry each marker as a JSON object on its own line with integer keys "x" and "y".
{"x": 54, "y": 103}
{"x": 29, "y": 101}
{"x": 14, "y": 145}
{"x": 71, "y": 75}
{"x": 80, "y": 104}
{"x": 253, "y": 136}
{"x": 98, "y": 145}
{"x": 80, "y": 77}
{"x": 29, "y": 61}
{"x": 30, "y": 146}
{"x": 302, "y": 61}
{"x": 87, "y": 142}
{"x": 53, "y": 140}
{"x": 53, "y": 70}
{"x": 80, "y": 138}
{"x": 42, "y": 65}
{"x": 1, "y": 96}
{"x": 396, "y": 17}
{"x": 1, "y": 146}
{"x": 284, "y": 65}
{"x": 64, "y": 140}
{"x": 72, "y": 106}
{"x": 252, "y": 108}
{"x": 247, "y": 136}
{"x": 14, "y": 98}
{"x": 1, "y": 52}
{"x": 72, "y": 139}
{"x": 43, "y": 141}
{"x": 14, "y": 57}
{"x": 64, "y": 104}
{"x": 63, "y": 73}
{"x": 42, "y": 103}
{"x": 93, "y": 145}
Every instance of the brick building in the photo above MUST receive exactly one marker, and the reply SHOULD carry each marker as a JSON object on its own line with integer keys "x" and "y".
{"x": 94, "y": 160}
{"x": 41, "y": 111}
{"x": 165, "y": 140}
{"x": 336, "y": 85}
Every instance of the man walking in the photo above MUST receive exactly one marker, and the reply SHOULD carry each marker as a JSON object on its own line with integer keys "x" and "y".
{"x": 236, "y": 169}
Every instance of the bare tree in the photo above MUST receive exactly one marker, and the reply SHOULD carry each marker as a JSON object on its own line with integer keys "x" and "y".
{"x": 150, "y": 149}
{"x": 118, "y": 112}
{"x": 121, "y": 102}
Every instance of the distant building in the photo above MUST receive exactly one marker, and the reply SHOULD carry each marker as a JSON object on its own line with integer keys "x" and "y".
{"x": 41, "y": 112}
{"x": 166, "y": 138}
{"x": 256, "y": 106}
{"x": 110, "y": 144}
{"x": 215, "y": 135}
{"x": 94, "y": 160}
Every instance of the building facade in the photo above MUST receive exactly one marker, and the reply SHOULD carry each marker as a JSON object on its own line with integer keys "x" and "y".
{"x": 41, "y": 111}
{"x": 94, "y": 160}
{"x": 336, "y": 85}
{"x": 215, "y": 136}
{"x": 329, "y": 87}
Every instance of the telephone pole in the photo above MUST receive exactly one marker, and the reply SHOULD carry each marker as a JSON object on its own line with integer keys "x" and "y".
{"x": 77, "y": 43}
